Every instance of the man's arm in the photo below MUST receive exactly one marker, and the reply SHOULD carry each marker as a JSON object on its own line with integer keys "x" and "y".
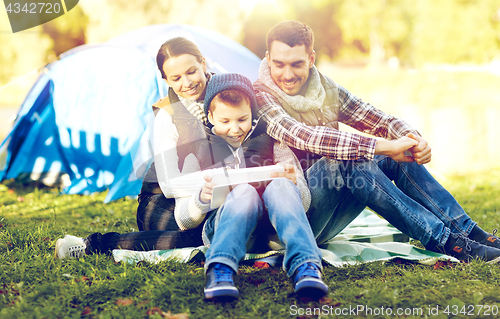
{"x": 333, "y": 143}
{"x": 318, "y": 139}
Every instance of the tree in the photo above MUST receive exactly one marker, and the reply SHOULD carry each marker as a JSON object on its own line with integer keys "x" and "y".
{"x": 456, "y": 31}
{"x": 380, "y": 27}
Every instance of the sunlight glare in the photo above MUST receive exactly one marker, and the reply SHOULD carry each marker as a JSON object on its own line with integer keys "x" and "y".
{"x": 249, "y": 4}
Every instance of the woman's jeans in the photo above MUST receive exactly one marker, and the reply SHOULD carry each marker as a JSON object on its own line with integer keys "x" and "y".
{"x": 229, "y": 229}
{"x": 405, "y": 194}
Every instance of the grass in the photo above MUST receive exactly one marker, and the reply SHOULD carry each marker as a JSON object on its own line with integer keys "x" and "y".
{"x": 33, "y": 284}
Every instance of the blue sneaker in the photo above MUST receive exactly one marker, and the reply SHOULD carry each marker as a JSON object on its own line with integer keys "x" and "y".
{"x": 308, "y": 283}
{"x": 220, "y": 283}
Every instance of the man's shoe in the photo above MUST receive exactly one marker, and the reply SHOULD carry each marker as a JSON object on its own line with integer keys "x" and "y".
{"x": 307, "y": 281}
{"x": 466, "y": 249}
{"x": 220, "y": 284}
{"x": 491, "y": 240}
{"x": 70, "y": 246}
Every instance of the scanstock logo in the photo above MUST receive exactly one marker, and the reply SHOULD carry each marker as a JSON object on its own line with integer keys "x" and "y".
{"x": 25, "y": 14}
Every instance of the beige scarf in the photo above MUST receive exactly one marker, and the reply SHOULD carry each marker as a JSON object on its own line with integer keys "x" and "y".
{"x": 313, "y": 99}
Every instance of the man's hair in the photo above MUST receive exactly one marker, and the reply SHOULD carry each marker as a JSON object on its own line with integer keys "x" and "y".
{"x": 292, "y": 33}
{"x": 231, "y": 97}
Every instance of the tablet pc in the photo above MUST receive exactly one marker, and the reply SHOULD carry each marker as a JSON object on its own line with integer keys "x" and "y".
{"x": 227, "y": 179}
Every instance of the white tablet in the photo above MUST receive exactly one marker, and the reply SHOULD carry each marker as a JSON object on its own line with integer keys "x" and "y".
{"x": 227, "y": 179}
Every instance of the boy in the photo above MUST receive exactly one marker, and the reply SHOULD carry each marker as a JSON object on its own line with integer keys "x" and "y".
{"x": 230, "y": 107}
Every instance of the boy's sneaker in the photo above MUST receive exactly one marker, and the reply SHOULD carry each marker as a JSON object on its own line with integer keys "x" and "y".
{"x": 466, "y": 249}
{"x": 307, "y": 281}
{"x": 70, "y": 246}
{"x": 220, "y": 284}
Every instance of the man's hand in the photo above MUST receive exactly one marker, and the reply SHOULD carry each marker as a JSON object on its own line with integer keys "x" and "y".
{"x": 207, "y": 190}
{"x": 422, "y": 151}
{"x": 289, "y": 173}
{"x": 395, "y": 149}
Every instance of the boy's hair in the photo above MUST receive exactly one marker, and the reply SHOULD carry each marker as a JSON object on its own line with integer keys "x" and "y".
{"x": 292, "y": 33}
{"x": 231, "y": 97}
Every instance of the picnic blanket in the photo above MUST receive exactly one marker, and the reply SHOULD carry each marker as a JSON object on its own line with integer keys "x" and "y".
{"x": 368, "y": 238}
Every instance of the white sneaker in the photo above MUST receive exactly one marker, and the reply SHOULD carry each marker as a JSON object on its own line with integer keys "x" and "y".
{"x": 70, "y": 246}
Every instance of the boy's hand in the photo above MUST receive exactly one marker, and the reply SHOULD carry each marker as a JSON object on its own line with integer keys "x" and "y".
{"x": 289, "y": 173}
{"x": 422, "y": 151}
{"x": 207, "y": 190}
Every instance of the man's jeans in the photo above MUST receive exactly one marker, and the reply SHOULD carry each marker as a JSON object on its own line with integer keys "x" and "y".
{"x": 230, "y": 228}
{"x": 405, "y": 194}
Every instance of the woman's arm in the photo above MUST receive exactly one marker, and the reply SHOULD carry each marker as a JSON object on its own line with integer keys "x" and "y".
{"x": 172, "y": 182}
{"x": 190, "y": 211}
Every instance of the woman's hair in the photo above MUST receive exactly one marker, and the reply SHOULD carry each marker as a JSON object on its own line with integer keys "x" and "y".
{"x": 175, "y": 47}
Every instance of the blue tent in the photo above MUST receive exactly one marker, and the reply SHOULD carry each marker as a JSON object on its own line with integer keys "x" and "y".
{"x": 85, "y": 122}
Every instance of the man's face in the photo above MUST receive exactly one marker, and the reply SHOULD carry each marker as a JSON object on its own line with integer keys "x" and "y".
{"x": 290, "y": 66}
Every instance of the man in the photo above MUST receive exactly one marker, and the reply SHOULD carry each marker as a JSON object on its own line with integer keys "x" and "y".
{"x": 347, "y": 172}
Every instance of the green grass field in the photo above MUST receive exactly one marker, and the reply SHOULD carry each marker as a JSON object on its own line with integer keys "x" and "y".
{"x": 458, "y": 112}
{"x": 33, "y": 284}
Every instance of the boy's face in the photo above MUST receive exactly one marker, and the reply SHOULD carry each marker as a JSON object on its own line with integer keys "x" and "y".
{"x": 290, "y": 66}
{"x": 232, "y": 123}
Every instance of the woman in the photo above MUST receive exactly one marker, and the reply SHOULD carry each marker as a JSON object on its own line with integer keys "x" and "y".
{"x": 183, "y": 67}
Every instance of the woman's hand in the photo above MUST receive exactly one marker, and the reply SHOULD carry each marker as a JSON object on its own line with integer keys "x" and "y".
{"x": 207, "y": 190}
{"x": 289, "y": 173}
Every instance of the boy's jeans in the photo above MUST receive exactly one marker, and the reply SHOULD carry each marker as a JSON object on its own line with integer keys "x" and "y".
{"x": 230, "y": 227}
{"x": 415, "y": 203}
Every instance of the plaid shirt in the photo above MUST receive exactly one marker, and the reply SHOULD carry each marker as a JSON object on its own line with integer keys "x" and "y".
{"x": 330, "y": 142}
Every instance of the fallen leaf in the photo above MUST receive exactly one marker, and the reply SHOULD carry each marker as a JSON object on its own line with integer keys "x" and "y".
{"x": 257, "y": 282}
{"x": 261, "y": 264}
{"x": 11, "y": 191}
{"x": 325, "y": 300}
{"x": 124, "y": 302}
{"x": 168, "y": 315}
{"x": 441, "y": 264}
{"x": 306, "y": 300}
{"x": 153, "y": 311}
{"x": 86, "y": 311}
